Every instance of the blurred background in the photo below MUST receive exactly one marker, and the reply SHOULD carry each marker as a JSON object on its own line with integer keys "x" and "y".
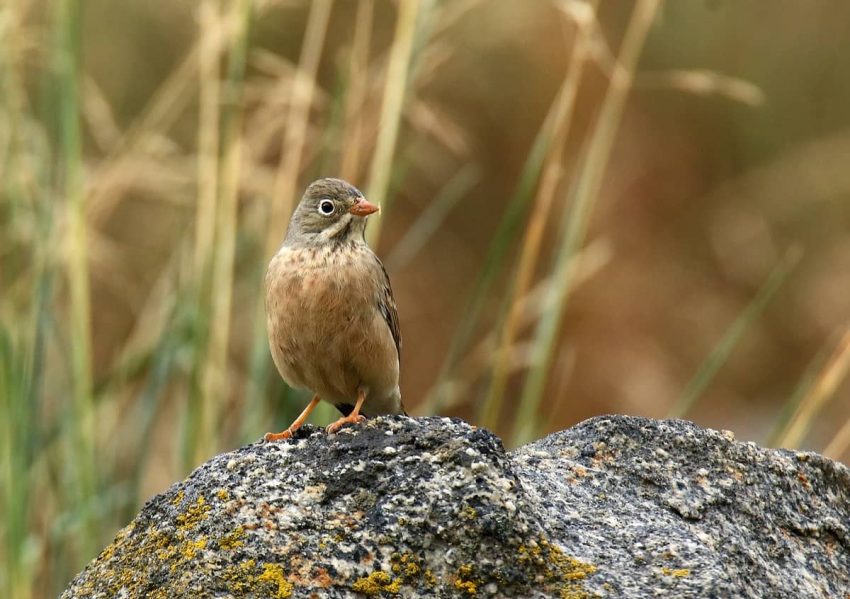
{"x": 588, "y": 208}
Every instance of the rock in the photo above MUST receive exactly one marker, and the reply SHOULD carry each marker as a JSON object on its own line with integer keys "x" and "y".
{"x": 433, "y": 507}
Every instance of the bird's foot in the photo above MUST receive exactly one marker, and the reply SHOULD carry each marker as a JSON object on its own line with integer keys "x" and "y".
{"x": 281, "y": 436}
{"x": 350, "y": 419}
{"x": 302, "y": 418}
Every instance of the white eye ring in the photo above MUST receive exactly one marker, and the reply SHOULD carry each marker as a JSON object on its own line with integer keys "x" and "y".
{"x": 326, "y": 207}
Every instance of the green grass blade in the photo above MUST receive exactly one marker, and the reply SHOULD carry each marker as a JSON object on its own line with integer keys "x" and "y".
{"x": 494, "y": 262}
{"x": 724, "y": 348}
{"x": 817, "y": 394}
{"x": 81, "y": 442}
{"x": 432, "y": 217}
{"x": 395, "y": 89}
{"x": 790, "y": 407}
{"x": 587, "y": 190}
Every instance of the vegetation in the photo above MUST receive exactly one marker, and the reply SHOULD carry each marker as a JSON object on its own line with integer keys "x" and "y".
{"x": 588, "y": 207}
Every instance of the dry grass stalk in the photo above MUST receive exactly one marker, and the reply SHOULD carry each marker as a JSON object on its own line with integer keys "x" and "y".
{"x": 355, "y": 98}
{"x": 540, "y": 212}
{"x": 587, "y": 190}
{"x": 823, "y": 388}
{"x": 704, "y": 83}
{"x": 589, "y": 261}
{"x": 838, "y": 445}
{"x": 209, "y": 77}
{"x": 283, "y": 195}
{"x": 391, "y": 109}
{"x": 215, "y": 374}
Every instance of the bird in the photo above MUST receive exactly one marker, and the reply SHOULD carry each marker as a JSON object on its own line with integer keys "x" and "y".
{"x": 331, "y": 317}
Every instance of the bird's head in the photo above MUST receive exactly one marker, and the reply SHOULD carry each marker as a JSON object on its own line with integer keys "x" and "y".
{"x": 331, "y": 211}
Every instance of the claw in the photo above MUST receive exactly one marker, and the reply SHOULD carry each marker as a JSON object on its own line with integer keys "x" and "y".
{"x": 338, "y": 424}
{"x": 289, "y": 432}
{"x": 354, "y": 417}
{"x": 281, "y": 436}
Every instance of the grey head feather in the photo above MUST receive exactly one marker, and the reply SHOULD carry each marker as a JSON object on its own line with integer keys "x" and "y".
{"x": 311, "y": 223}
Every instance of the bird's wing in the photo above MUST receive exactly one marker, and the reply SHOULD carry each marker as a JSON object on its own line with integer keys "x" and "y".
{"x": 386, "y": 304}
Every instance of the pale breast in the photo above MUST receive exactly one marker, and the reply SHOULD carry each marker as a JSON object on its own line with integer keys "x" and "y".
{"x": 325, "y": 331}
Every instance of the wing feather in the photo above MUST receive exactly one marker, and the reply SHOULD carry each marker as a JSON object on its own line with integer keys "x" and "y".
{"x": 388, "y": 309}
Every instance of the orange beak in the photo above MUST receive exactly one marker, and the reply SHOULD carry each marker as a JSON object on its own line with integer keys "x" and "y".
{"x": 363, "y": 208}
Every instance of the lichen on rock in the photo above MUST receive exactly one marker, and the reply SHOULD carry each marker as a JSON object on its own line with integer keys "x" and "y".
{"x": 433, "y": 507}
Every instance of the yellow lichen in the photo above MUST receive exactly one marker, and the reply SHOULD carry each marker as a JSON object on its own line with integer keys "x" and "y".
{"x": 109, "y": 552}
{"x": 430, "y": 579}
{"x": 463, "y": 580}
{"x": 191, "y": 548}
{"x": 222, "y": 494}
{"x": 677, "y": 573}
{"x": 196, "y": 513}
{"x": 178, "y": 498}
{"x": 557, "y": 567}
{"x": 239, "y": 578}
{"x": 376, "y": 583}
{"x": 468, "y": 513}
{"x": 233, "y": 540}
{"x": 273, "y": 574}
{"x": 127, "y": 565}
{"x": 406, "y": 565}
{"x": 166, "y": 553}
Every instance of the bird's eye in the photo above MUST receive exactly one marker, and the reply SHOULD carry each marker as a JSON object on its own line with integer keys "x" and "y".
{"x": 326, "y": 207}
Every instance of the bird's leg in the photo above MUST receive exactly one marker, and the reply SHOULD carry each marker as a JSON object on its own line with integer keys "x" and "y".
{"x": 353, "y": 417}
{"x": 295, "y": 425}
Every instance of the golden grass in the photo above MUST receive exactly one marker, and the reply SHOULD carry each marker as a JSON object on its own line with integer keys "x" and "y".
{"x": 588, "y": 183}
{"x": 86, "y": 433}
{"x": 395, "y": 87}
{"x": 552, "y": 175}
{"x": 815, "y": 398}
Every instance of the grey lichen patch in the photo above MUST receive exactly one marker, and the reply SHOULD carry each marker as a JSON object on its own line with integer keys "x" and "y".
{"x": 399, "y": 507}
{"x": 665, "y": 508}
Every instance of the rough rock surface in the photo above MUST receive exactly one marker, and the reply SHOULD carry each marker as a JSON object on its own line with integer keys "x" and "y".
{"x": 432, "y": 507}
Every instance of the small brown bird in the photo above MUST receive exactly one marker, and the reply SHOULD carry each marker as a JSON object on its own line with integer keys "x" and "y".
{"x": 331, "y": 317}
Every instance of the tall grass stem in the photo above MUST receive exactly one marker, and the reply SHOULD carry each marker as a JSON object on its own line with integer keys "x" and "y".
{"x": 527, "y": 421}
{"x": 283, "y": 197}
{"x": 822, "y": 389}
{"x": 494, "y": 261}
{"x": 81, "y": 443}
{"x": 358, "y": 73}
{"x": 491, "y": 409}
{"x": 395, "y": 87}
{"x": 216, "y": 381}
{"x": 721, "y": 352}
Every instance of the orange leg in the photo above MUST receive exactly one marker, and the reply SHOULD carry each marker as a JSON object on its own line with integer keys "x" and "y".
{"x": 353, "y": 418}
{"x": 295, "y": 425}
